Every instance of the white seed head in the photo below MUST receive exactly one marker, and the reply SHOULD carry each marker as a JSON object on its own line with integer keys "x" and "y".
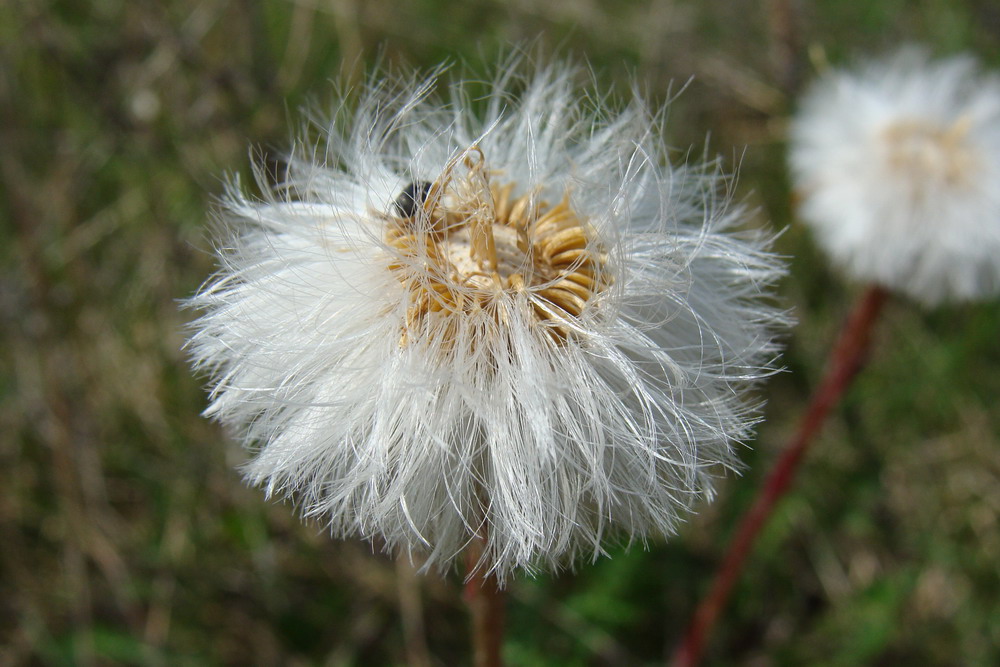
{"x": 897, "y": 167}
{"x": 497, "y": 315}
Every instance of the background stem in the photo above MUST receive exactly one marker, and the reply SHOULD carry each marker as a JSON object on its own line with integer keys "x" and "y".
{"x": 846, "y": 359}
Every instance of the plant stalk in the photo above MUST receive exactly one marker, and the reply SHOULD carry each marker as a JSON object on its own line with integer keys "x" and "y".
{"x": 487, "y": 606}
{"x": 846, "y": 360}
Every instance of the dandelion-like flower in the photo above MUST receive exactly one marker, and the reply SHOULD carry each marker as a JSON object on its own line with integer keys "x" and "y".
{"x": 898, "y": 169}
{"x": 516, "y": 325}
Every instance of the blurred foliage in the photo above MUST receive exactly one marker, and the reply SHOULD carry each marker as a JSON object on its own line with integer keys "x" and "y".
{"x": 126, "y": 535}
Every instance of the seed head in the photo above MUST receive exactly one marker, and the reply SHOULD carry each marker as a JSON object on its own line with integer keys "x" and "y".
{"x": 518, "y": 324}
{"x": 897, "y": 166}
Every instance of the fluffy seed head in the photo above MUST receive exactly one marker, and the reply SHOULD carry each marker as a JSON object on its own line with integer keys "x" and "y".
{"x": 497, "y": 315}
{"x": 897, "y": 166}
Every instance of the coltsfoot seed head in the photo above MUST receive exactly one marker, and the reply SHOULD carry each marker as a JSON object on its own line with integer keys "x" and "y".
{"x": 519, "y": 324}
{"x": 897, "y": 167}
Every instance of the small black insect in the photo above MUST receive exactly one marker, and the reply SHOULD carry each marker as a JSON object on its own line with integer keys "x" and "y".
{"x": 411, "y": 198}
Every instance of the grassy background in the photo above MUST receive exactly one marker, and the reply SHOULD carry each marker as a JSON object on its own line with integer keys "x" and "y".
{"x": 126, "y": 536}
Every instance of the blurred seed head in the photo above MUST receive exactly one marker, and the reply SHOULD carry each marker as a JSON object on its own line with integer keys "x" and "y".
{"x": 897, "y": 167}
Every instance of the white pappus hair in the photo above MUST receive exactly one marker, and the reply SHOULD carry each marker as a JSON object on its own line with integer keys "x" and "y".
{"x": 500, "y": 316}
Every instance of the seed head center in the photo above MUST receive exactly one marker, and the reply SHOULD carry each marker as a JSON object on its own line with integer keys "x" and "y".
{"x": 471, "y": 246}
{"x": 931, "y": 153}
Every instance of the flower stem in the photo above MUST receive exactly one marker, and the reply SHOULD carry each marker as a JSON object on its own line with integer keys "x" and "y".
{"x": 411, "y": 614}
{"x": 845, "y": 361}
{"x": 486, "y": 602}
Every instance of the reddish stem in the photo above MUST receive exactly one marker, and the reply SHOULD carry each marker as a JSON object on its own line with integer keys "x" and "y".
{"x": 845, "y": 361}
{"x": 486, "y": 601}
